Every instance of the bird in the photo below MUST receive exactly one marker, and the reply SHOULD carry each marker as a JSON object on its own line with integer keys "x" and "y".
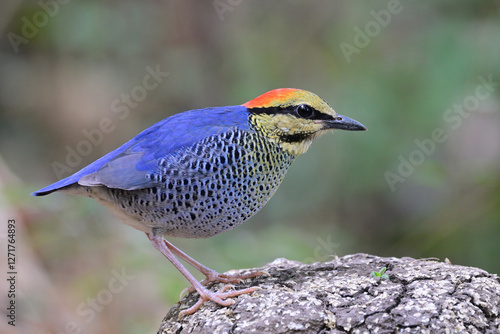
{"x": 201, "y": 172}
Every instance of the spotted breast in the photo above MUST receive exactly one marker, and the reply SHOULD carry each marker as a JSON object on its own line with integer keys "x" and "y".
{"x": 212, "y": 186}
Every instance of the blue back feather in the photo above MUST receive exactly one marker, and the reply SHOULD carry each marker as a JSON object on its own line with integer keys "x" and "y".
{"x": 127, "y": 166}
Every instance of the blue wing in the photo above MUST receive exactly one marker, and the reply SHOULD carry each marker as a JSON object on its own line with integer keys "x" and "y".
{"x": 127, "y": 166}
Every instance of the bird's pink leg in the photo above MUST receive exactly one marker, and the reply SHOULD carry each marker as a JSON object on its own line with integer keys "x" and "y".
{"x": 163, "y": 246}
{"x": 211, "y": 275}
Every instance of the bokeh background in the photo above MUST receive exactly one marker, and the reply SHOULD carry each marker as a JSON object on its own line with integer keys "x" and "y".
{"x": 404, "y": 69}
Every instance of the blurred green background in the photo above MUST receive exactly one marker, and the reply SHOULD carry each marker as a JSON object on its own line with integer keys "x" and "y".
{"x": 405, "y": 70}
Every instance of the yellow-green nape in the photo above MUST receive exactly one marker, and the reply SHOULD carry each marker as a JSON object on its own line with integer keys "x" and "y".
{"x": 286, "y": 97}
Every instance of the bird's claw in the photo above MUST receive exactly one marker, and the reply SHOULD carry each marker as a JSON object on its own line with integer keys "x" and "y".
{"x": 214, "y": 276}
{"x": 217, "y": 297}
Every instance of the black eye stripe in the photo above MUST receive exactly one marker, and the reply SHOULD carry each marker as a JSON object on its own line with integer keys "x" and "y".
{"x": 318, "y": 115}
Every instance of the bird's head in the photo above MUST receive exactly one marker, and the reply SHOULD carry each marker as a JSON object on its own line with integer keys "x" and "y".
{"x": 294, "y": 117}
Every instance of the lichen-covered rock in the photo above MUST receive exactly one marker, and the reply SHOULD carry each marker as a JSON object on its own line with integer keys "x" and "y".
{"x": 341, "y": 296}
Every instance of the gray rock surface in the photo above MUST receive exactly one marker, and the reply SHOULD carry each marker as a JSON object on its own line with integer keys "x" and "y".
{"x": 341, "y": 296}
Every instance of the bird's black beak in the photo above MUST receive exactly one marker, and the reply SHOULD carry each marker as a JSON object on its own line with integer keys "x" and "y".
{"x": 345, "y": 123}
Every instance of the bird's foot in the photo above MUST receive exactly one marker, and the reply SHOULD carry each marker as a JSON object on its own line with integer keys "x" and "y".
{"x": 213, "y": 276}
{"x": 217, "y": 297}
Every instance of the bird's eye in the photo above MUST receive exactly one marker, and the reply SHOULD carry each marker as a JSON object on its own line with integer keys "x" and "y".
{"x": 304, "y": 111}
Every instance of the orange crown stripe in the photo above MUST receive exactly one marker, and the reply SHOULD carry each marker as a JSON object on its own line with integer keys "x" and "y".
{"x": 271, "y": 98}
